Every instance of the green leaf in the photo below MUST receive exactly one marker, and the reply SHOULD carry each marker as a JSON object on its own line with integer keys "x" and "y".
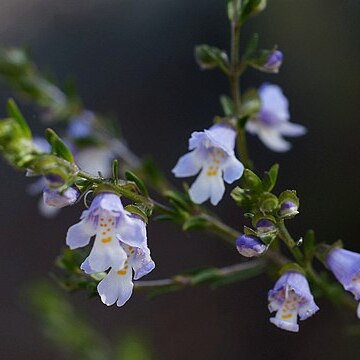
{"x": 134, "y": 209}
{"x": 250, "y": 103}
{"x": 16, "y": 114}
{"x": 227, "y": 105}
{"x": 270, "y": 178}
{"x": 195, "y": 223}
{"x": 251, "y": 45}
{"x": 177, "y": 199}
{"x": 58, "y": 147}
{"x": 252, "y": 181}
{"x": 234, "y": 9}
{"x": 309, "y": 244}
{"x": 210, "y": 57}
{"x": 129, "y": 175}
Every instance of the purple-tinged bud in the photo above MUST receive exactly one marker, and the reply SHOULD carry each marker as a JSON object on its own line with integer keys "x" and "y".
{"x": 288, "y": 208}
{"x": 273, "y": 62}
{"x": 54, "y": 181}
{"x": 250, "y": 246}
{"x": 345, "y": 265}
{"x": 58, "y": 200}
{"x": 265, "y": 227}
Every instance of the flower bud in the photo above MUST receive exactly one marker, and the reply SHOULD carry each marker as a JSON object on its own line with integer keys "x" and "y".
{"x": 265, "y": 227}
{"x": 288, "y": 208}
{"x": 57, "y": 199}
{"x": 273, "y": 61}
{"x": 250, "y": 246}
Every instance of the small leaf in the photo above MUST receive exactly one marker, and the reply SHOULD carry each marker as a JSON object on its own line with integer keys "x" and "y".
{"x": 227, "y": 105}
{"x": 58, "y": 147}
{"x": 251, "y": 45}
{"x": 251, "y": 180}
{"x": 270, "y": 178}
{"x": 210, "y": 57}
{"x": 134, "y": 209}
{"x": 139, "y": 183}
{"x": 195, "y": 223}
{"x": 268, "y": 202}
{"x": 309, "y": 244}
{"x": 16, "y": 114}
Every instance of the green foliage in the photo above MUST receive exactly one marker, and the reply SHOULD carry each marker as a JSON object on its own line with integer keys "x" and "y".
{"x": 15, "y": 113}
{"x": 227, "y": 105}
{"x": 210, "y": 57}
{"x": 58, "y": 147}
{"x": 129, "y": 175}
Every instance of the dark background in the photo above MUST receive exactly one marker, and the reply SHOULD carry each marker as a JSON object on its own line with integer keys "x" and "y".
{"x": 134, "y": 58}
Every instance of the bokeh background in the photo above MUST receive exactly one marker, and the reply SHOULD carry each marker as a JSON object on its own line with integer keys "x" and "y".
{"x": 134, "y": 58}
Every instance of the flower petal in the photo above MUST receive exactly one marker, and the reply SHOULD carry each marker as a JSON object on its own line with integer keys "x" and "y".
{"x": 285, "y": 325}
{"x": 217, "y": 188}
{"x": 103, "y": 256}
{"x": 200, "y": 190}
{"x": 273, "y": 140}
{"x": 188, "y": 165}
{"x": 233, "y": 169}
{"x": 132, "y": 231}
{"x": 79, "y": 234}
{"x": 142, "y": 263}
{"x": 291, "y": 129}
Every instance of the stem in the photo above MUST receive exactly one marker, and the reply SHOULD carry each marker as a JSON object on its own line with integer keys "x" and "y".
{"x": 289, "y": 241}
{"x": 234, "y": 79}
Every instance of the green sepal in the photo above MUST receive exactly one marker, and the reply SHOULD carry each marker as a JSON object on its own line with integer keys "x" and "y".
{"x": 58, "y": 147}
{"x": 322, "y": 250}
{"x": 137, "y": 210}
{"x": 177, "y": 199}
{"x": 15, "y": 113}
{"x": 227, "y": 105}
{"x": 210, "y": 57}
{"x": 291, "y": 267}
{"x": 249, "y": 231}
{"x": 195, "y": 223}
{"x": 251, "y": 8}
{"x": 268, "y": 202}
{"x": 270, "y": 178}
{"x": 289, "y": 195}
{"x": 260, "y": 216}
{"x": 129, "y": 175}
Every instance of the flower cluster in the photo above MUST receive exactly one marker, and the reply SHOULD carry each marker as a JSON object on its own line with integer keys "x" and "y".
{"x": 120, "y": 246}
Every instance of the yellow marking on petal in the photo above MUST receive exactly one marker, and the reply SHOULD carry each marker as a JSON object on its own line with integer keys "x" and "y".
{"x": 286, "y": 316}
{"x": 104, "y": 232}
{"x": 110, "y": 220}
{"x": 108, "y": 229}
{"x": 106, "y": 240}
{"x": 101, "y": 219}
{"x": 132, "y": 251}
{"x": 126, "y": 267}
{"x": 121, "y": 272}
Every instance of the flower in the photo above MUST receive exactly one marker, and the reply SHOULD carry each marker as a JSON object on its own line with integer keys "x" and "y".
{"x": 265, "y": 227}
{"x": 82, "y": 125}
{"x": 58, "y": 200}
{"x": 249, "y": 246}
{"x": 272, "y": 121}
{"x": 291, "y": 297}
{"x": 212, "y": 152}
{"x": 108, "y": 221}
{"x": 117, "y": 285}
{"x": 345, "y": 265}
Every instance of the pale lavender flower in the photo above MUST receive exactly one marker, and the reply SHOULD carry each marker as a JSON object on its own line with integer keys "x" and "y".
{"x": 290, "y": 298}
{"x": 345, "y": 265}
{"x": 250, "y": 246}
{"x": 107, "y": 220}
{"x": 211, "y": 154}
{"x": 58, "y": 199}
{"x": 117, "y": 286}
{"x": 82, "y": 125}
{"x": 272, "y": 121}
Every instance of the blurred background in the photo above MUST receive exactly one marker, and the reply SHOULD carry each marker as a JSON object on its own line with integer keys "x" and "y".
{"x": 134, "y": 59}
